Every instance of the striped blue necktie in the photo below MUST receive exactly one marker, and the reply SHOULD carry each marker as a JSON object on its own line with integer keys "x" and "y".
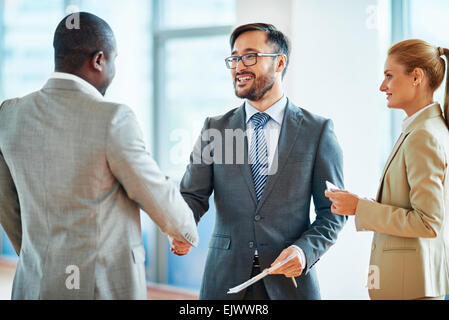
{"x": 259, "y": 154}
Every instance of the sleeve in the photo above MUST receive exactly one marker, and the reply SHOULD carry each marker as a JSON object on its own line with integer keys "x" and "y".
{"x": 143, "y": 181}
{"x": 197, "y": 183}
{"x": 426, "y": 164}
{"x": 9, "y": 206}
{"x": 323, "y": 232}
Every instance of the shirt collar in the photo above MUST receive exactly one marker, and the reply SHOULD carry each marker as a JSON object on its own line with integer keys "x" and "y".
{"x": 276, "y": 111}
{"x": 408, "y": 120}
{"x": 68, "y": 76}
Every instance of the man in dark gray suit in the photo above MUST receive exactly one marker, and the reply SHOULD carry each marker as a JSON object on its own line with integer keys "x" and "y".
{"x": 74, "y": 173}
{"x": 263, "y": 202}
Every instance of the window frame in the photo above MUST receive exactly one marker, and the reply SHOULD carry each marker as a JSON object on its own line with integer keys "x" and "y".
{"x": 400, "y": 30}
{"x": 160, "y": 37}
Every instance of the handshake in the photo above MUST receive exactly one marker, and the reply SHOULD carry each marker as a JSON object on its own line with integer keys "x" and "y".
{"x": 179, "y": 247}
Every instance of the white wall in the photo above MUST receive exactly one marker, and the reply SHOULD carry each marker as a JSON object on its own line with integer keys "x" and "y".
{"x": 335, "y": 70}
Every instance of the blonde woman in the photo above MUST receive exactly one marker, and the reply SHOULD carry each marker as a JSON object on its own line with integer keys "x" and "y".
{"x": 409, "y": 218}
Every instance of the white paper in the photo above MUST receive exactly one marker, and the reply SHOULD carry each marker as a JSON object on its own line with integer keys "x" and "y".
{"x": 331, "y": 187}
{"x": 261, "y": 275}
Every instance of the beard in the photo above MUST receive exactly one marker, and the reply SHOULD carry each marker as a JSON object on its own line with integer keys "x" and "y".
{"x": 261, "y": 85}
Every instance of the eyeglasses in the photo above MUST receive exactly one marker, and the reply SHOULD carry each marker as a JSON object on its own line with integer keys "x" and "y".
{"x": 248, "y": 60}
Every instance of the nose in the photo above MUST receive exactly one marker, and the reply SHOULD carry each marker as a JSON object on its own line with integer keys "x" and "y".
{"x": 383, "y": 87}
{"x": 240, "y": 66}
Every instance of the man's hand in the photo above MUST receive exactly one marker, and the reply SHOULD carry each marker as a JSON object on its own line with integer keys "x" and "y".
{"x": 178, "y": 247}
{"x": 293, "y": 268}
{"x": 343, "y": 202}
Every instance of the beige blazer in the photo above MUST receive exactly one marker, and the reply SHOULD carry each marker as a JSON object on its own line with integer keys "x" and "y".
{"x": 410, "y": 249}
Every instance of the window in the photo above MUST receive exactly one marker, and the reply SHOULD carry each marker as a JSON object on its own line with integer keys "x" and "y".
{"x": 28, "y": 28}
{"x": 170, "y": 71}
{"x": 428, "y": 21}
{"x": 191, "y": 40}
{"x": 196, "y": 85}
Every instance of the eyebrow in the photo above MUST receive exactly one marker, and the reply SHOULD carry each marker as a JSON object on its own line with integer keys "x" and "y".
{"x": 385, "y": 72}
{"x": 246, "y": 50}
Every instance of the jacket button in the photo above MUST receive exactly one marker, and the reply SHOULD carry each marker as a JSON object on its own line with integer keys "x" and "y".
{"x": 251, "y": 244}
{"x": 257, "y": 218}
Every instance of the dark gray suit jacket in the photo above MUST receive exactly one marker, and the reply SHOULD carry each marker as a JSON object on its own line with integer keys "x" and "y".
{"x": 309, "y": 155}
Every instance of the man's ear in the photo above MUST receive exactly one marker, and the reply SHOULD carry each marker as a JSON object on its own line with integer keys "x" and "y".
{"x": 97, "y": 61}
{"x": 282, "y": 63}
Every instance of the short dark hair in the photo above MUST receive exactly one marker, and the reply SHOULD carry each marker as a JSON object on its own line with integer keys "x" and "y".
{"x": 274, "y": 36}
{"x": 75, "y": 43}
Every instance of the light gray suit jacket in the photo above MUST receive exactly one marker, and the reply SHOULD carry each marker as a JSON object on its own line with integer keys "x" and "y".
{"x": 74, "y": 171}
{"x": 309, "y": 155}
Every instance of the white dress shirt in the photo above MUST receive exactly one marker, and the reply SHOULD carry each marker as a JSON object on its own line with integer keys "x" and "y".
{"x": 407, "y": 121}
{"x": 68, "y": 76}
{"x": 271, "y": 130}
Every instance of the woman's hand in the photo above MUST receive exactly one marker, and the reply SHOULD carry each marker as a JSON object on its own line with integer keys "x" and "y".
{"x": 343, "y": 202}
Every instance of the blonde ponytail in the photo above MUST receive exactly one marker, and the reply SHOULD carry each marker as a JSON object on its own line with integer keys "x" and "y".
{"x": 445, "y": 52}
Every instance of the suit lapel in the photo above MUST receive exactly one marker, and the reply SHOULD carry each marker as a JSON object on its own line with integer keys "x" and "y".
{"x": 238, "y": 122}
{"x": 393, "y": 153}
{"x": 287, "y": 138}
{"x": 434, "y": 111}
{"x": 390, "y": 159}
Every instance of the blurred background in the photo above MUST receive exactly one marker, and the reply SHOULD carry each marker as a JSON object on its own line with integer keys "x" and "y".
{"x": 171, "y": 72}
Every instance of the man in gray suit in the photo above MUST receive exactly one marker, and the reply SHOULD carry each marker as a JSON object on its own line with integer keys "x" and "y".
{"x": 74, "y": 173}
{"x": 263, "y": 202}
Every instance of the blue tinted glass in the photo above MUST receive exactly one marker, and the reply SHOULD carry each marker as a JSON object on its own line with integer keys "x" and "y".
{"x": 197, "y": 85}
{"x": 187, "y": 271}
{"x": 7, "y": 248}
{"x": 28, "y": 44}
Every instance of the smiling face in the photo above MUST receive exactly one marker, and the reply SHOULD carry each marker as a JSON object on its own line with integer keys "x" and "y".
{"x": 399, "y": 86}
{"x": 254, "y": 82}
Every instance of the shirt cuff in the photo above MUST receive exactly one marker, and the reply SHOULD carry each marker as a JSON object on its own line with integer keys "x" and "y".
{"x": 301, "y": 255}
